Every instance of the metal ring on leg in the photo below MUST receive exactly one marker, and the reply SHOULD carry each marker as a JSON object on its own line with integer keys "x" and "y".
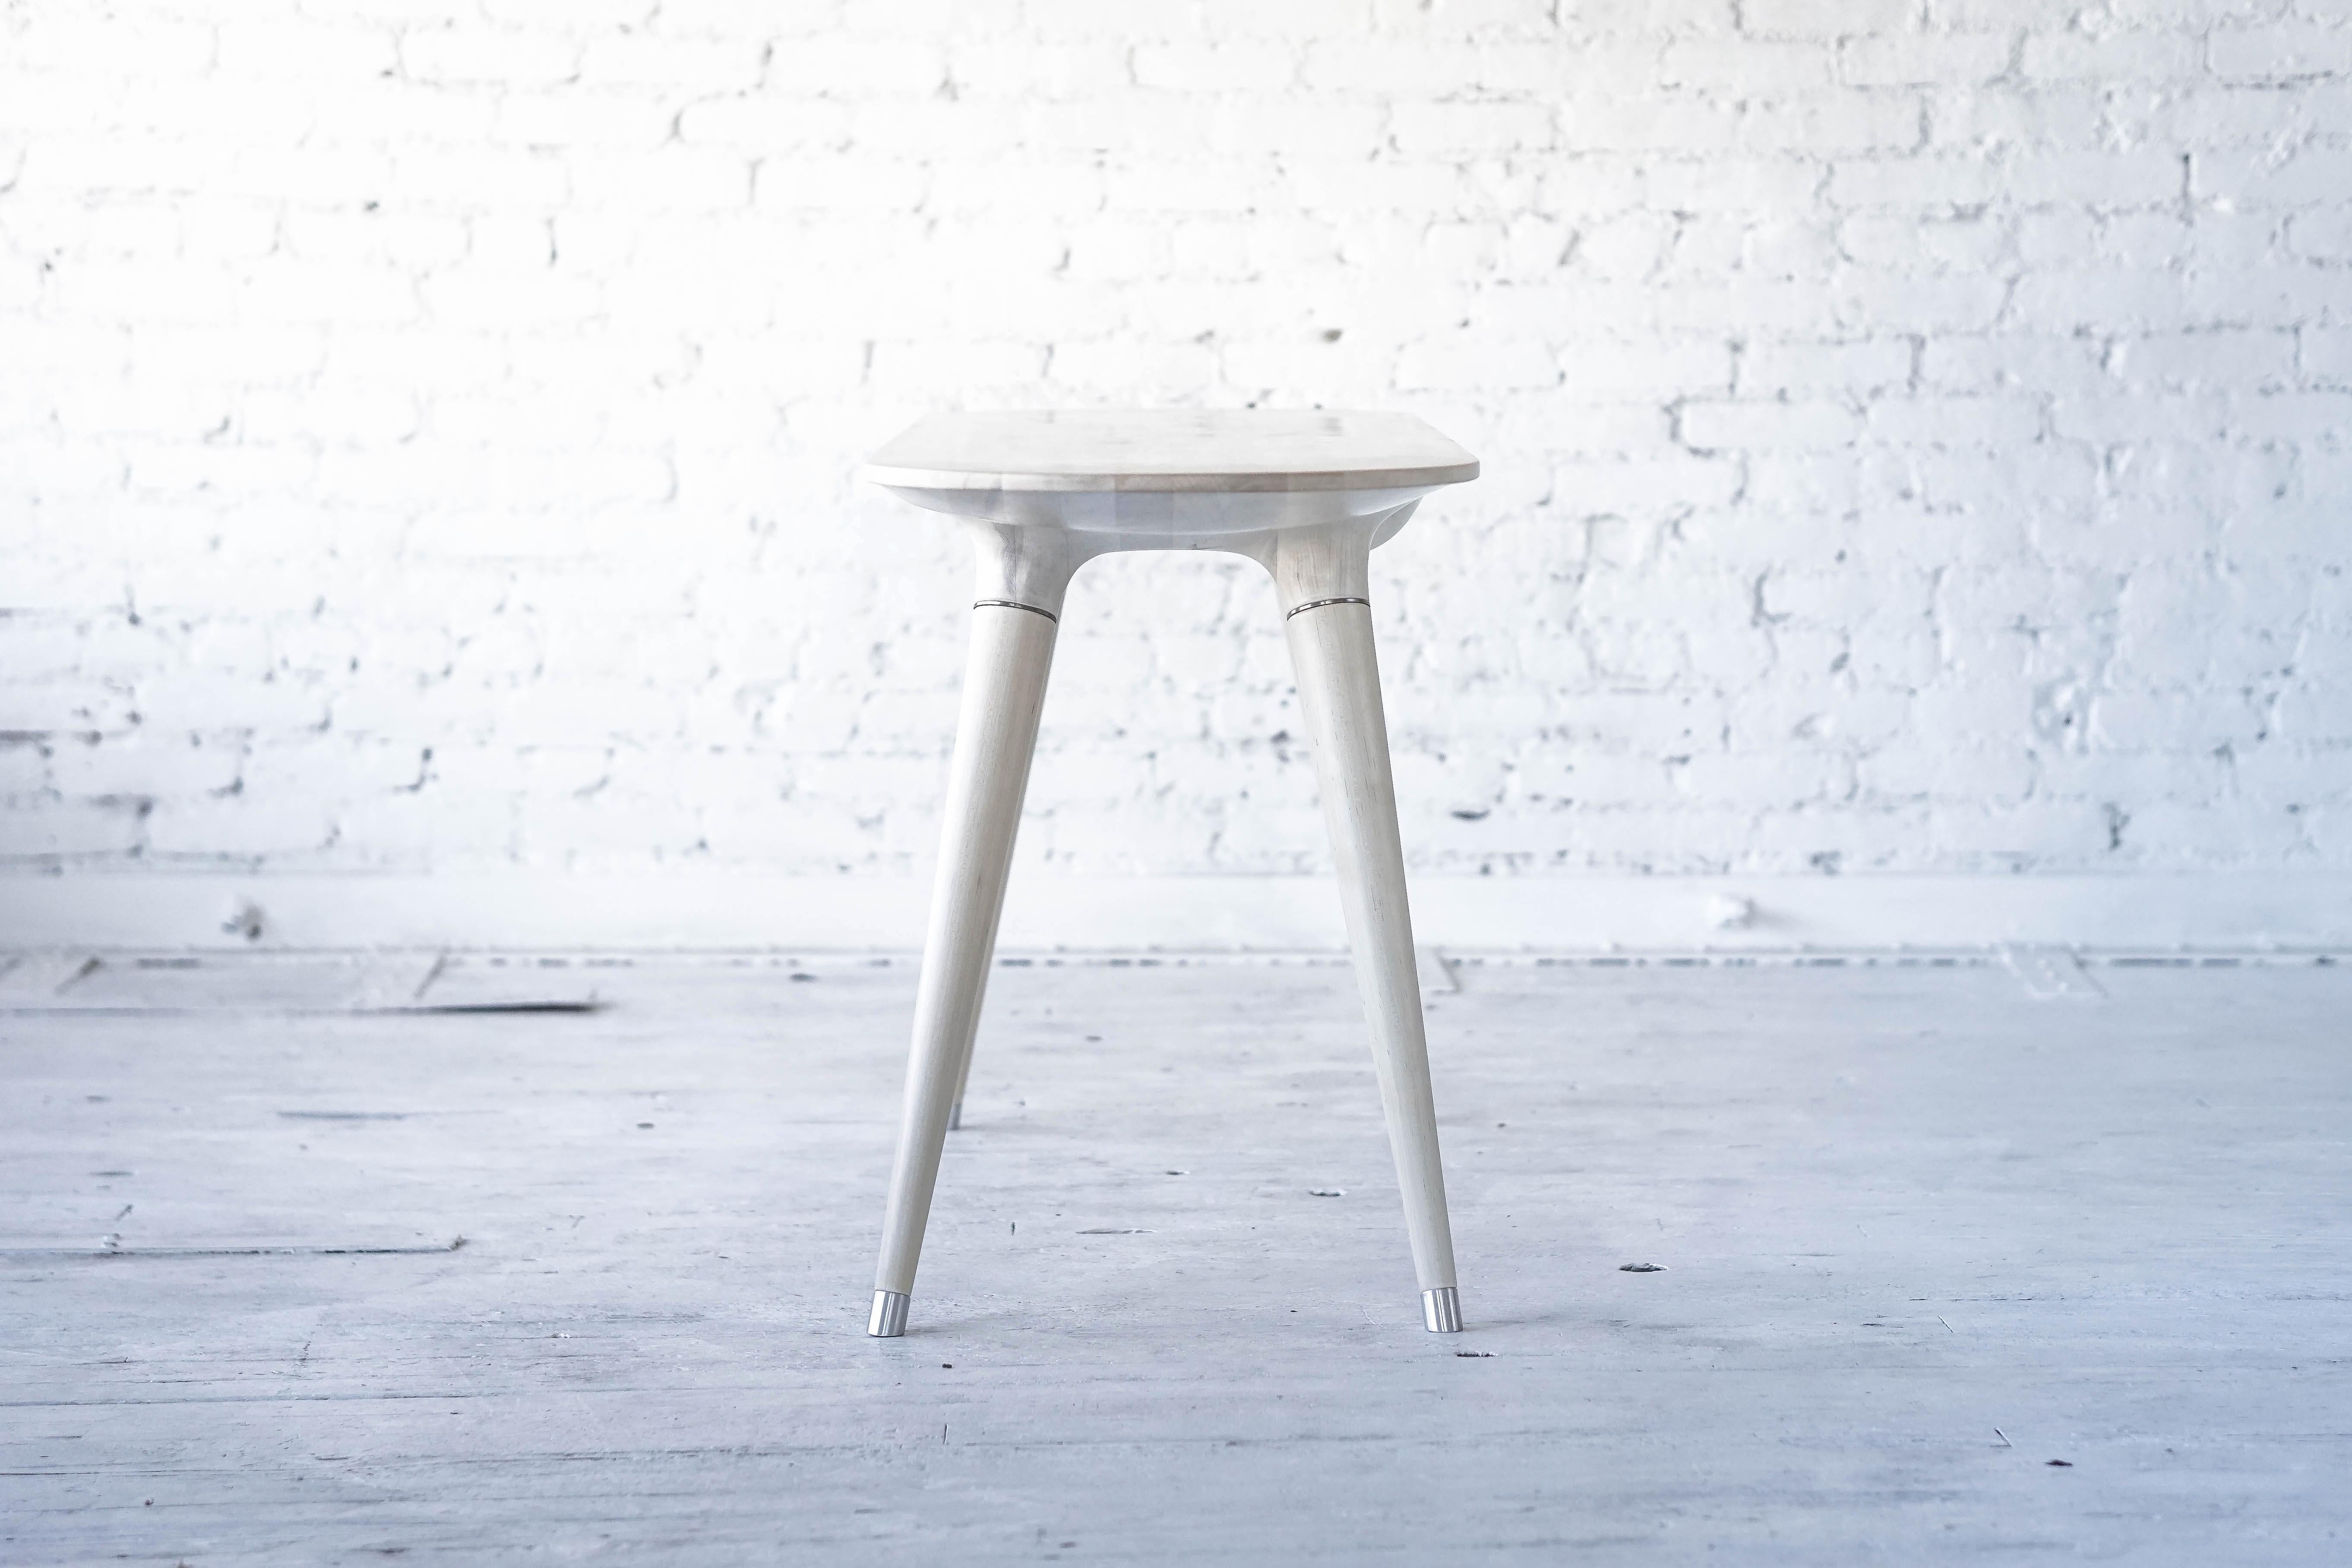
{"x": 1440, "y": 1310}
{"x": 1014, "y": 604}
{"x": 1319, "y": 603}
{"x": 889, "y": 1319}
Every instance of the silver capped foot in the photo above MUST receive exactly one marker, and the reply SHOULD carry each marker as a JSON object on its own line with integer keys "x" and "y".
{"x": 889, "y": 1319}
{"x": 1440, "y": 1310}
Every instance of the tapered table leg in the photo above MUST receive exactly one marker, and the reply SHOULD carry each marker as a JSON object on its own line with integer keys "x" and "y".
{"x": 1339, "y": 690}
{"x": 1004, "y": 692}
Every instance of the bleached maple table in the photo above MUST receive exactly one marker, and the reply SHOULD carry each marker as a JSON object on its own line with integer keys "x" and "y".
{"x": 1308, "y": 496}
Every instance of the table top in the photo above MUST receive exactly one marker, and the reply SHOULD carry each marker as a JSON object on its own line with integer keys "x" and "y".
{"x": 1173, "y": 449}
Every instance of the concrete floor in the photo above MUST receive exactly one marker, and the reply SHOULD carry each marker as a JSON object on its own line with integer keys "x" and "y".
{"x": 1921, "y": 1233}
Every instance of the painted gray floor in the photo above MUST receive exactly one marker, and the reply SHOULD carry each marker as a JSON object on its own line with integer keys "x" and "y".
{"x": 1920, "y": 1233}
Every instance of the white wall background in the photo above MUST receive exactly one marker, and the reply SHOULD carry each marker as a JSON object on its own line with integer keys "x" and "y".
{"x": 1918, "y": 432}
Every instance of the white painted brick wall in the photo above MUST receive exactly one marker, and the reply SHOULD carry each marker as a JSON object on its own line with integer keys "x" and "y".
{"x": 1918, "y": 432}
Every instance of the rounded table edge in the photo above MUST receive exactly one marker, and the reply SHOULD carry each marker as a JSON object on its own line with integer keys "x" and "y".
{"x": 1432, "y": 475}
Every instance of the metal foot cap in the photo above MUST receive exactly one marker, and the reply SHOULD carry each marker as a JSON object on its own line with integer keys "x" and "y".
{"x": 1440, "y": 1310}
{"x": 889, "y": 1319}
